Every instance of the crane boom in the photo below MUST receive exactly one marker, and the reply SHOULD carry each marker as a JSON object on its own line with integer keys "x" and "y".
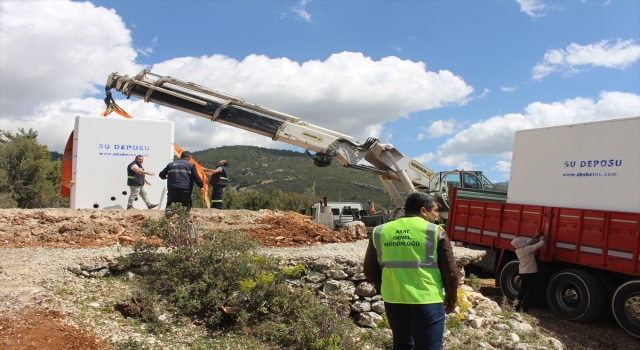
{"x": 386, "y": 161}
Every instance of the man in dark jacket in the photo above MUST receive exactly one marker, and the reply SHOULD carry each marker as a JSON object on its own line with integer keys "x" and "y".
{"x": 136, "y": 180}
{"x": 219, "y": 181}
{"x": 180, "y": 175}
{"x": 410, "y": 260}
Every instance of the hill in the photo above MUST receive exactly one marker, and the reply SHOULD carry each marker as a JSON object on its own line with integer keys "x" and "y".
{"x": 257, "y": 168}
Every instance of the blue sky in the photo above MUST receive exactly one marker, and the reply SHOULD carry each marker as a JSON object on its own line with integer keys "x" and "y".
{"x": 446, "y": 82}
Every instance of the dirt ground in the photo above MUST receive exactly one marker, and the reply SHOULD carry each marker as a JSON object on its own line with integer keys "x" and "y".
{"x": 598, "y": 335}
{"x": 64, "y": 228}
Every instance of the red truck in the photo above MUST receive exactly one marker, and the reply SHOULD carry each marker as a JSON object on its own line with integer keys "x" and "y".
{"x": 589, "y": 269}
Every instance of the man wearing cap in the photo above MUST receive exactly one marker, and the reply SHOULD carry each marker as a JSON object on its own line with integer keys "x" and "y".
{"x": 180, "y": 175}
{"x": 136, "y": 181}
{"x": 410, "y": 260}
{"x": 525, "y": 248}
{"x": 219, "y": 181}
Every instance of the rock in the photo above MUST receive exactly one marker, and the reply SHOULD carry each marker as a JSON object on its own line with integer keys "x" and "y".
{"x": 95, "y": 305}
{"x": 116, "y": 229}
{"x": 101, "y": 273}
{"x": 337, "y": 274}
{"x": 354, "y": 230}
{"x": 466, "y": 256}
{"x": 125, "y": 239}
{"x": 555, "y": 343}
{"x": 74, "y": 268}
{"x": 315, "y": 277}
{"x": 133, "y": 307}
{"x": 474, "y": 297}
{"x": 314, "y": 286}
{"x": 368, "y": 319}
{"x": 366, "y": 289}
{"x": 521, "y": 326}
{"x": 513, "y": 337}
{"x": 501, "y": 327}
{"x": 344, "y": 286}
{"x": 361, "y": 306}
{"x": 475, "y": 321}
{"x": 355, "y": 270}
{"x": 359, "y": 277}
{"x": 520, "y": 347}
{"x": 378, "y": 307}
{"x": 497, "y": 341}
{"x": 37, "y": 232}
{"x": 484, "y": 346}
{"x": 489, "y": 306}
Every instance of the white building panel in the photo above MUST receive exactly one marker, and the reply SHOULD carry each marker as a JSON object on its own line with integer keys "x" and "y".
{"x": 102, "y": 149}
{"x": 590, "y": 165}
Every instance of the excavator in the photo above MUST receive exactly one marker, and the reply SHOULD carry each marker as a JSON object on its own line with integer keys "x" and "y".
{"x": 383, "y": 158}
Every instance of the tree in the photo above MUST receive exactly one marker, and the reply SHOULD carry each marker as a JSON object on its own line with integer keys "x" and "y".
{"x": 28, "y": 178}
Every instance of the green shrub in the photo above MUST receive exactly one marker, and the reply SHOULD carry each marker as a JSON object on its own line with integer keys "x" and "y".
{"x": 225, "y": 284}
{"x": 474, "y": 282}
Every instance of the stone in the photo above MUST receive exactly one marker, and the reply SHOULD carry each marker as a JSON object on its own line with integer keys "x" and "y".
{"x": 513, "y": 337}
{"x": 37, "y": 232}
{"x": 489, "y": 306}
{"x": 344, "y": 286}
{"x": 359, "y": 277}
{"x": 361, "y": 306}
{"x": 520, "y": 347}
{"x": 101, "y": 273}
{"x": 74, "y": 268}
{"x": 496, "y": 342}
{"x": 368, "y": 319}
{"x": 366, "y": 289}
{"x": 354, "y": 229}
{"x": 95, "y": 305}
{"x": 354, "y": 270}
{"x": 501, "y": 327}
{"x": 475, "y": 297}
{"x": 555, "y": 343}
{"x": 337, "y": 274}
{"x": 315, "y": 277}
{"x": 314, "y": 286}
{"x": 484, "y": 346}
{"x": 521, "y": 326}
{"x": 378, "y": 306}
{"x": 475, "y": 322}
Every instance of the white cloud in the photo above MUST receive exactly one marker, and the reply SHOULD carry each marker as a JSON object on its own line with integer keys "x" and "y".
{"x": 502, "y": 165}
{"x": 317, "y": 91}
{"x": 618, "y": 55}
{"x": 83, "y": 44}
{"x": 508, "y": 88}
{"x": 484, "y": 93}
{"x": 425, "y": 158}
{"x": 441, "y": 127}
{"x": 532, "y": 8}
{"x": 55, "y": 50}
{"x": 495, "y": 136}
{"x": 149, "y": 49}
{"x": 300, "y": 10}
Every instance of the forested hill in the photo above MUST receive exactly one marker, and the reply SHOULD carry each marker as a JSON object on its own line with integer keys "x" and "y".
{"x": 256, "y": 168}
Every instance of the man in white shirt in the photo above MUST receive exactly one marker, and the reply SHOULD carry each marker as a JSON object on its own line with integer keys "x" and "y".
{"x": 525, "y": 249}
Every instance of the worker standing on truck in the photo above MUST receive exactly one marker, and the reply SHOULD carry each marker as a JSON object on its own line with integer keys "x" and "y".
{"x": 180, "y": 175}
{"x": 136, "y": 180}
{"x": 528, "y": 269}
{"x": 219, "y": 180}
{"x": 410, "y": 260}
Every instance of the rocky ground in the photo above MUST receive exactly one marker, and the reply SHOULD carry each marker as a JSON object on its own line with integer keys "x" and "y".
{"x": 44, "y": 306}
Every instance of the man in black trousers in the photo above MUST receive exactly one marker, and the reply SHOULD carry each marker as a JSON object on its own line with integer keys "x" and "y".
{"x": 180, "y": 175}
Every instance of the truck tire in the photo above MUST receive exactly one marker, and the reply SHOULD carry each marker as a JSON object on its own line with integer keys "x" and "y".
{"x": 626, "y": 307}
{"x": 610, "y": 285}
{"x": 510, "y": 279}
{"x": 576, "y": 295}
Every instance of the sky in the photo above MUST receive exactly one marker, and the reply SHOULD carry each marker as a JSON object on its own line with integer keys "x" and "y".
{"x": 446, "y": 82}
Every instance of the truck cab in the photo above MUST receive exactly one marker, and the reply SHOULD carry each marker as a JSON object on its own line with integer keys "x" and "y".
{"x": 471, "y": 184}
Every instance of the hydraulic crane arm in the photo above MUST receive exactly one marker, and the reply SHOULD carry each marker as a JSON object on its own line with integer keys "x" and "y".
{"x": 327, "y": 144}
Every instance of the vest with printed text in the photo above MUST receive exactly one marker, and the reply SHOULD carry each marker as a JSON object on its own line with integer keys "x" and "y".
{"x": 407, "y": 252}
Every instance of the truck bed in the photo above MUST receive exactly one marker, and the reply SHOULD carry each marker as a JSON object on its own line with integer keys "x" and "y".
{"x": 607, "y": 240}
